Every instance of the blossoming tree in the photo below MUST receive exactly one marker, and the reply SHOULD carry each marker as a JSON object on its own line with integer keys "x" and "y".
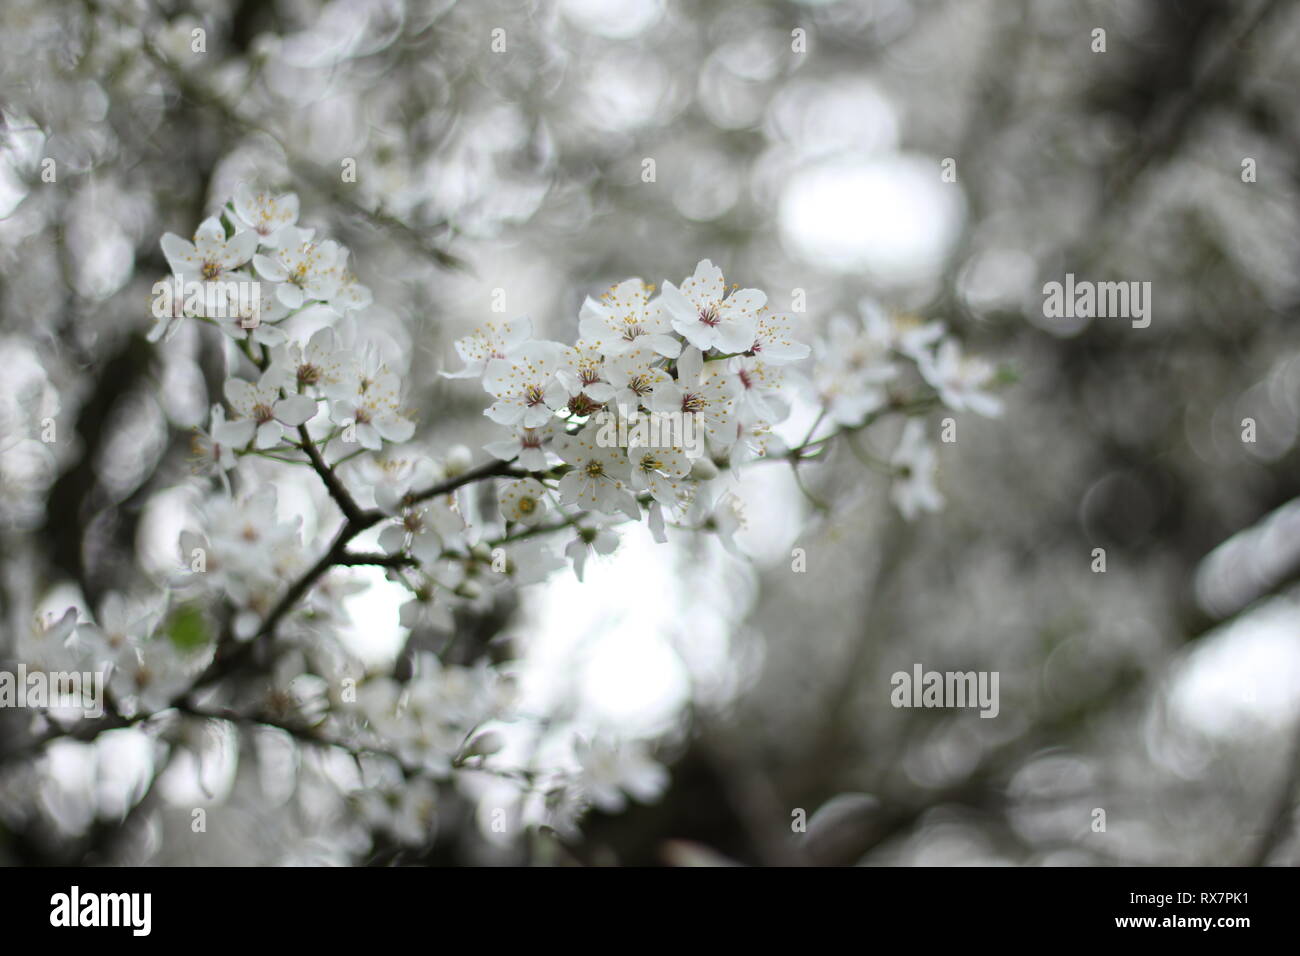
{"x": 651, "y": 414}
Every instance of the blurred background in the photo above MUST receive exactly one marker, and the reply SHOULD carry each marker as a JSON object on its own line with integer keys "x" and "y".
{"x": 502, "y": 151}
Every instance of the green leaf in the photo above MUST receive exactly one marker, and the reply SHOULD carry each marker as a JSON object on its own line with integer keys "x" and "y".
{"x": 187, "y": 628}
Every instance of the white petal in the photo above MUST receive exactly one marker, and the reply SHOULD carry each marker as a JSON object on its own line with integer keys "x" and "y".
{"x": 392, "y": 539}
{"x": 664, "y": 344}
{"x": 295, "y": 410}
{"x": 678, "y": 306}
{"x": 689, "y": 366}
{"x": 394, "y": 428}
{"x": 505, "y": 413}
{"x": 241, "y": 395}
{"x": 289, "y": 295}
{"x": 180, "y": 254}
{"x": 239, "y": 249}
{"x": 269, "y": 434}
{"x": 504, "y": 450}
{"x": 269, "y": 269}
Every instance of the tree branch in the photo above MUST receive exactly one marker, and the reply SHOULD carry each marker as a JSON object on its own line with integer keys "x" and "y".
{"x": 342, "y": 497}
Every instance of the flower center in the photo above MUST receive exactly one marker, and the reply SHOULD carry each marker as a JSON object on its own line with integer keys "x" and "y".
{"x": 582, "y": 406}
{"x": 693, "y": 402}
{"x": 709, "y": 316}
{"x": 262, "y": 413}
{"x": 594, "y": 469}
{"x": 533, "y": 395}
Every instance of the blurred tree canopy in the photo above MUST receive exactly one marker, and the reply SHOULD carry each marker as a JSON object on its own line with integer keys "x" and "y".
{"x": 501, "y": 149}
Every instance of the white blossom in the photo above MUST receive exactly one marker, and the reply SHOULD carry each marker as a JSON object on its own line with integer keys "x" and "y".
{"x": 597, "y": 477}
{"x": 522, "y": 500}
{"x": 262, "y": 404}
{"x": 301, "y": 268}
{"x": 614, "y": 770}
{"x": 660, "y": 471}
{"x": 701, "y": 389}
{"x": 529, "y": 445}
{"x": 634, "y": 375}
{"x": 960, "y": 380}
{"x": 267, "y": 215}
{"x": 211, "y": 256}
{"x": 320, "y": 364}
{"x": 372, "y": 411}
{"x": 490, "y": 341}
{"x": 914, "y": 466}
{"x": 774, "y": 340}
{"x": 707, "y": 316}
{"x": 218, "y": 444}
{"x": 625, "y": 318}
{"x": 525, "y": 387}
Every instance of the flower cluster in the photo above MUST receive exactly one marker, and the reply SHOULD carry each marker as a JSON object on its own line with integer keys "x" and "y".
{"x": 649, "y": 415}
{"x": 634, "y": 419}
{"x": 859, "y": 366}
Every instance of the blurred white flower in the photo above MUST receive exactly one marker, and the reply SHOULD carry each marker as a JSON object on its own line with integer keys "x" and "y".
{"x": 613, "y": 770}
{"x": 852, "y": 366}
{"x": 915, "y": 466}
{"x": 960, "y": 380}
{"x": 217, "y": 446}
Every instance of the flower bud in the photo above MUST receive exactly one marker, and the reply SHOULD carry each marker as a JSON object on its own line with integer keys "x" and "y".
{"x": 485, "y": 744}
{"x": 458, "y": 460}
{"x": 703, "y": 470}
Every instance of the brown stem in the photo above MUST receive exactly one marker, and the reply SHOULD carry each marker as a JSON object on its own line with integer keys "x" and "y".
{"x": 347, "y": 504}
